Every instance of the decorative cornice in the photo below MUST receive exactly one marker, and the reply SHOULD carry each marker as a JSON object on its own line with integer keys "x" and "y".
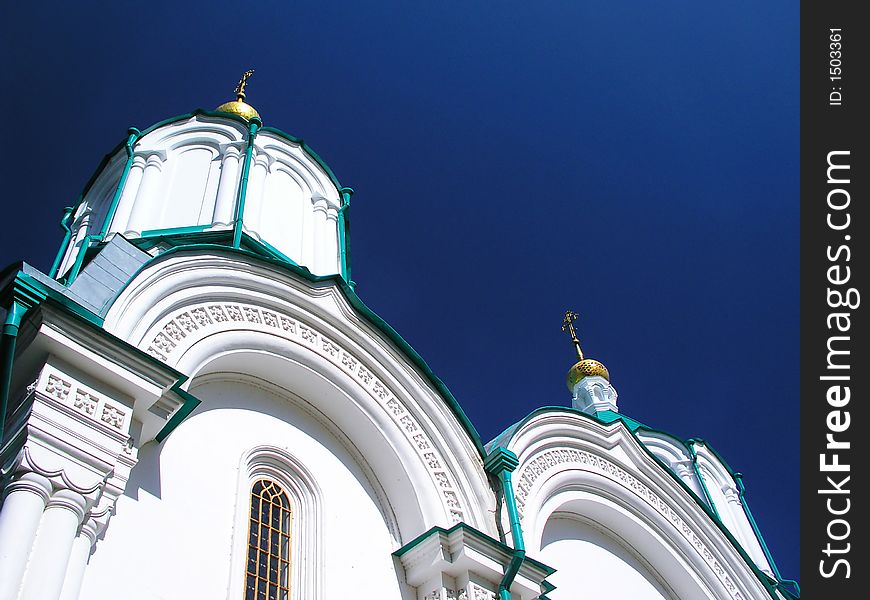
{"x": 572, "y": 458}
{"x": 196, "y": 322}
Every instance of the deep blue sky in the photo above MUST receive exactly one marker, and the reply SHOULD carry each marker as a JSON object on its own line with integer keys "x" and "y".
{"x": 635, "y": 161}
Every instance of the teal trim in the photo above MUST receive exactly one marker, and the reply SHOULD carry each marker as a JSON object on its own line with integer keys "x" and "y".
{"x": 23, "y": 297}
{"x": 269, "y": 251}
{"x": 501, "y": 463}
{"x": 354, "y": 300}
{"x": 190, "y": 403}
{"x": 53, "y": 297}
{"x": 23, "y": 293}
{"x": 548, "y": 570}
{"x": 609, "y": 416}
{"x": 64, "y": 224}
{"x": 133, "y": 136}
{"x": 738, "y": 478}
{"x": 505, "y": 437}
{"x": 690, "y": 445}
{"x": 308, "y": 150}
{"x": 80, "y": 257}
{"x": 243, "y": 184}
{"x": 242, "y": 121}
{"x": 344, "y": 232}
{"x": 176, "y": 230}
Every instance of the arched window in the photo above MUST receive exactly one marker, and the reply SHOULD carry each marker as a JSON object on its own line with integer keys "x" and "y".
{"x": 295, "y": 498}
{"x": 268, "y": 566}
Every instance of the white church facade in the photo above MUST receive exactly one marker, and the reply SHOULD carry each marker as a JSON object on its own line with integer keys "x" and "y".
{"x": 196, "y": 404}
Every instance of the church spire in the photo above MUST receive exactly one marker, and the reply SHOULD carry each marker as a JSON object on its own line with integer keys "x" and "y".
{"x": 588, "y": 379}
{"x": 239, "y": 106}
{"x": 585, "y": 367}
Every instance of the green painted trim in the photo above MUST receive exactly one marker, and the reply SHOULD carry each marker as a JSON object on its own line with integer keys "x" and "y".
{"x": 609, "y": 416}
{"x": 476, "y": 533}
{"x": 222, "y": 115}
{"x": 354, "y": 300}
{"x": 501, "y": 462}
{"x": 133, "y": 136}
{"x": 309, "y": 151}
{"x": 690, "y": 446}
{"x": 762, "y": 577}
{"x": 243, "y": 184}
{"x": 344, "y": 232}
{"x": 190, "y": 403}
{"x": 741, "y": 490}
{"x": 58, "y": 299}
{"x": 176, "y": 230}
{"x": 80, "y": 257}
{"x": 507, "y": 435}
{"x": 64, "y": 224}
{"x": 268, "y": 250}
{"x": 21, "y": 296}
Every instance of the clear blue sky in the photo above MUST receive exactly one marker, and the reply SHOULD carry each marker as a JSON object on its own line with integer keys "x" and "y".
{"x": 634, "y": 161}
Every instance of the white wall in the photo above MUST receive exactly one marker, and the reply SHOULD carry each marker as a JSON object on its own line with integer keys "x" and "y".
{"x": 173, "y": 533}
{"x": 591, "y": 564}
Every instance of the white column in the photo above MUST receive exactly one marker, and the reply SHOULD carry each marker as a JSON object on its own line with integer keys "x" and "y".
{"x": 128, "y": 195}
{"x": 146, "y": 201}
{"x": 686, "y": 472}
{"x": 321, "y": 251}
{"x": 256, "y": 188}
{"x": 330, "y": 257}
{"x": 84, "y": 222}
{"x": 19, "y": 520}
{"x": 51, "y": 550}
{"x": 78, "y": 560}
{"x": 228, "y": 186}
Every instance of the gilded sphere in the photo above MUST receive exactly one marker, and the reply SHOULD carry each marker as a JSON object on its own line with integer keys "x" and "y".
{"x": 586, "y": 368}
{"x": 236, "y": 107}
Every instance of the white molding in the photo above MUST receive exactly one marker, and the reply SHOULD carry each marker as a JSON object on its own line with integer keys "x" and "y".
{"x": 564, "y": 453}
{"x": 306, "y": 503}
{"x": 315, "y": 324}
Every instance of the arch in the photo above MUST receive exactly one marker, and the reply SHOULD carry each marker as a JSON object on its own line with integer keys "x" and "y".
{"x": 601, "y": 472}
{"x": 210, "y": 313}
{"x": 270, "y": 463}
{"x": 592, "y": 499}
{"x": 592, "y": 560}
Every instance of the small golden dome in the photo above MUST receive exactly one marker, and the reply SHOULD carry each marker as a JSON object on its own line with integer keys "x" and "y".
{"x": 237, "y": 107}
{"x": 586, "y": 368}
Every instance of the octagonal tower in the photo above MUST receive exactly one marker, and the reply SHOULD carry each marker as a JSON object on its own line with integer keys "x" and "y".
{"x": 213, "y": 178}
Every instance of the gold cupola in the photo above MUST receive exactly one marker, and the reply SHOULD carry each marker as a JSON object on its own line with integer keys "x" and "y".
{"x": 238, "y": 106}
{"x": 585, "y": 367}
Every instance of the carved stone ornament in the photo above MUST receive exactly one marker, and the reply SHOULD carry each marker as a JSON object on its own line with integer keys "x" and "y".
{"x": 58, "y": 386}
{"x": 572, "y": 458}
{"x": 194, "y": 323}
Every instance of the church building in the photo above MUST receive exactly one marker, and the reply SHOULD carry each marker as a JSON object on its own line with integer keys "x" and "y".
{"x": 197, "y": 405}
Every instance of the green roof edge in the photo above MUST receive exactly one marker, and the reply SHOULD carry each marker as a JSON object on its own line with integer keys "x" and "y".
{"x": 357, "y": 303}
{"x": 769, "y": 583}
{"x": 214, "y": 114}
{"x": 476, "y": 532}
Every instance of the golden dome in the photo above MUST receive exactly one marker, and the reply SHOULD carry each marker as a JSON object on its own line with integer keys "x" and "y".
{"x": 586, "y": 368}
{"x": 237, "y": 107}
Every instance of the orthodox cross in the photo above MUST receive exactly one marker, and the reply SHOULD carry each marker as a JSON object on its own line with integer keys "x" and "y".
{"x": 240, "y": 89}
{"x": 568, "y": 327}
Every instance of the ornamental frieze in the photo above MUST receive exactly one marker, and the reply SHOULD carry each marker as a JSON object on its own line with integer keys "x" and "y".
{"x": 194, "y": 323}
{"x": 572, "y": 458}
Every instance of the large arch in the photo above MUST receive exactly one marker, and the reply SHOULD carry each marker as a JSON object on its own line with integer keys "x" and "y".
{"x": 573, "y": 466}
{"x": 223, "y": 312}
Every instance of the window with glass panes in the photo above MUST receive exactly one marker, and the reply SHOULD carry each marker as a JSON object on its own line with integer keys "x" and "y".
{"x": 268, "y": 572}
